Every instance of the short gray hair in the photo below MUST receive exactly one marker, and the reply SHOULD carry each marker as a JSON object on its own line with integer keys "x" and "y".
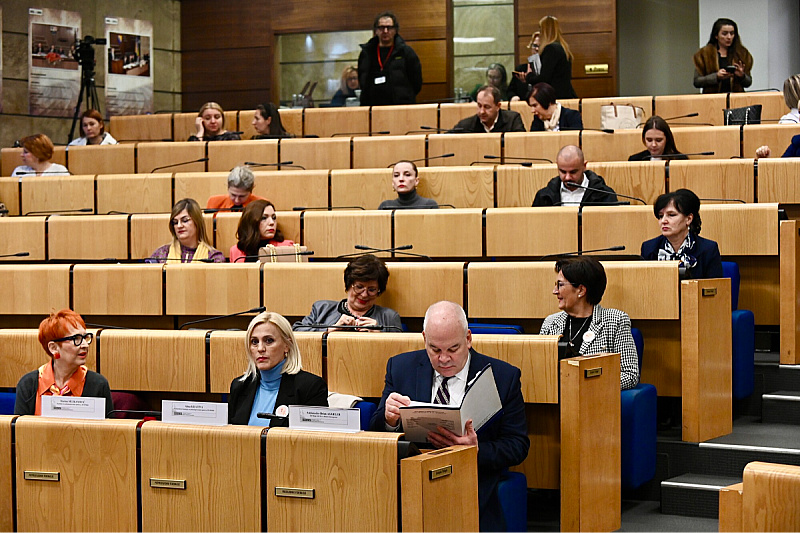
{"x": 241, "y": 177}
{"x": 445, "y": 306}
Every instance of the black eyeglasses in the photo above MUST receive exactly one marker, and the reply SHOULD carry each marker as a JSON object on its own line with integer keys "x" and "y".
{"x": 77, "y": 339}
{"x": 385, "y": 28}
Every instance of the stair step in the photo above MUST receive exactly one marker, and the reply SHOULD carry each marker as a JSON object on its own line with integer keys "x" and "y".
{"x": 781, "y": 407}
{"x": 694, "y": 494}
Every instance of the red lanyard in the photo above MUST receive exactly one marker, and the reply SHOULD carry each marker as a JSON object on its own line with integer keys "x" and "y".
{"x": 387, "y": 56}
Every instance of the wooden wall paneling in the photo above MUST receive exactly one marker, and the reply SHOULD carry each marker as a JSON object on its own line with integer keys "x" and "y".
{"x": 134, "y": 193}
{"x": 56, "y": 193}
{"x": 223, "y": 156}
{"x": 441, "y": 232}
{"x": 720, "y": 178}
{"x": 293, "y": 188}
{"x": 212, "y": 289}
{"x": 52, "y": 289}
{"x": 519, "y": 232}
{"x": 22, "y": 352}
{"x": 462, "y": 187}
{"x": 95, "y": 237}
{"x": 316, "y": 153}
{"x": 118, "y": 289}
{"x": 517, "y": 186}
{"x": 365, "y": 188}
{"x": 777, "y": 180}
{"x": 23, "y": 234}
{"x": 592, "y": 49}
{"x": 96, "y": 492}
{"x": 645, "y": 180}
{"x": 113, "y": 159}
{"x": 157, "y": 154}
{"x": 379, "y": 152}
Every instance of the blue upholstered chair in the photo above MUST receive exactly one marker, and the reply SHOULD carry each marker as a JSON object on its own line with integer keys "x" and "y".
{"x": 7, "y": 400}
{"x": 513, "y": 494}
{"x": 367, "y": 409}
{"x": 479, "y": 328}
{"x": 638, "y": 424}
{"x": 743, "y": 343}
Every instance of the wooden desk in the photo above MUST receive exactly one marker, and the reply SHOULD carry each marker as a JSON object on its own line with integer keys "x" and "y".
{"x": 517, "y": 186}
{"x": 645, "y": 180}
{"x": 51, "y": 284}
{"x": 96, "y": 464}
{"x": 118, "y": 289}
{"x": 517, "y": 232}
{"x": 223, "y": 156}
{"x": 777, "y": 136}
{"x": 57, "y": 193}
{"x": 537, "y": 144}
{"x": 342, "y": 120}
{"x": 158, "y": 154}
{"x": 153, "y": 360}
{"x": 731, "y": 225}
{"x": 141, "y": 127}
{"x": 291, "y": 289}
{"x": 617, "y": 146}
{"x": 9, "y": 194}
{"x": 151, "y": 231}
{"x": 709, "y": 107}
{"x": 461, "y": 187}
{"x": 333, "y": 233}
{"x": 380, "y": 151}
{"x": 23, "y": 234}
{"x": 724, "y": 141}
{"x": 11, "y": 158}
{"x": 109, "y": 159}
{"x": 628, "y": 226}
{"x": 451, "y": 114}
{"x": 717, "y": 178}
{"x": 134, "y": 193}
{"x": 365, "y": 188}
{"x": 468, "y": 147}
{"x": 591, "y": 108}
{"x": 212, "y": 289}
{"x": 441, "y": 232}
{"x": 770, "y": 493}
{"x": 773, "y": 105}
{"x": 316, "y": 153}
{"x": 7, "y": 467}
{"x": 183, "y": 124}
{"x": 94, "y": 237}
{"x": 777, "y": 180}
{"x": 220, "y": 467}
{"x": 288, "y": 189}
{"x": 435, "y": 280}
{"x": 400, "y": 119}
{"x": 199, "y": 185}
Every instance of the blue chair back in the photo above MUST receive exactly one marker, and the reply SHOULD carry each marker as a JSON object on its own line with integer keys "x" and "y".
{"x": 479, "y": 328}
{"x": 367, "y": 409}
{"x": 638, "y": 340}
{"x": 730, "y": 269}
{"x": 7, "y": 400}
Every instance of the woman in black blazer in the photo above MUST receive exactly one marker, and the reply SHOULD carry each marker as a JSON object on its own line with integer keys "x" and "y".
{"x": 556, "y": 59}
{"x": 549, "y": 115}
{"x": 274, "y": 378}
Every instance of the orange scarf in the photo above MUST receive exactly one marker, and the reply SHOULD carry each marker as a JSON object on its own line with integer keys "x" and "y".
{"x": 48, "y": 387}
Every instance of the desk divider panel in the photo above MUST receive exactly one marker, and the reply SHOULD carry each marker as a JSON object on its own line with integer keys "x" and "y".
{"x": 461, "y": 187}
{"x": 94, "y": 237}
{"x": 246, "y": 123}
{"x": 436, "y": 280}
{"x": 451, "y": 114}
{"x": 154, "y": 360}
{"x": 23, "y": 234}
{"x": 293, "y": 188}
{"x": 200, "y": 186}
{"x": 141, "y": 127}
{"x": 108, "y": 159}
{"x": 645, "y": 180}
{"x": 773, "y": 105}
{"x": 134, "y": 193}
{"x": 7, "y": 467}
{"x": 777, "y": 180}
{"x": 57, "y": 193}
{"x": 290, "y": 289}
{"x": 95, "y": 461}
{"x": 292, "y": 120}
{"x": 334, "y": 233}
{"x": 228, "y": 356}
{"x": 401, "y": 119}
{"x": 719, "y": 178}
{"x": 339, "y": 468}
{"x": 706, "y": 359}
{"x": 730, "y": 508}
{"x": 365, "y": 188}
{"x": 525, "y": 231}
{"x": 118, "y": 289}
{"x": 221, "y": 470}
{"x": 517, "y": 186}
{"x": 617, "y": 146}
{"x": 316, "y": 153}
{"x": 223, "y": 156}
{"x": 710, "y": 108}
{"x": 9, "y": 194}
{"x": 158, "y": 154}
{"x": 724, "y": 141}
{"x": 524, "y": 111}
{"x": 457, "y": 233}
{"x": 212, "y": 289}
{"x": 51, "y": 284}
{"x": 380, "y": 151}
{"x": 742, "y": 230}
{"x": 21, "y": 353}
{"x": 591, "y": 113}
{"x": 769, "y": 497}
{"x": 467, "y": 147}
{"x": 629, "y": 226}
{"x": 777, "y": 136}
{"x": 346, "y": 121}
{"x": 539, "y": 144}
{"x": 790, "y": 287}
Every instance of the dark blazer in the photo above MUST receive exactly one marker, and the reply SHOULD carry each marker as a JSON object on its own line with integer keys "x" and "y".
{"x": 506, "y": 121}
{"x": 556, "y": 70}
{"x": 644, "y": 155}
{"x": 793, "y": 150}
{"x": 95, "y": 386}
{"x": 551, "y": 193}
{"x": 569, "y": 120}
{"x": 403, "y": 72}
{"x": 502, "y": 443}
{"x": 709, "y": 262}
{"x": 303, "y": 388}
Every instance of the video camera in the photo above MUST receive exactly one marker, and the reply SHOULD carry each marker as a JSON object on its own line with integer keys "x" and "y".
{"x": 84, "y": 51}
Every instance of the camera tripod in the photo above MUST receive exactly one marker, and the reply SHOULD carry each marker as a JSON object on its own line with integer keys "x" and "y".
{"x": 88, "y": 88}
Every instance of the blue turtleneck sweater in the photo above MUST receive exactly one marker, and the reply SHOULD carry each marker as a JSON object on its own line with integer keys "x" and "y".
{"x": 266, "y": 395}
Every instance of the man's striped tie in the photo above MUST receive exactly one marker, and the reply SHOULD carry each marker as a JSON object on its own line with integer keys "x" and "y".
{"x": 443, "y": 394}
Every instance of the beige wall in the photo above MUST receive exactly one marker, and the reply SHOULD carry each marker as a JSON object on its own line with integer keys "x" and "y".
{"x": 165, "y": 16}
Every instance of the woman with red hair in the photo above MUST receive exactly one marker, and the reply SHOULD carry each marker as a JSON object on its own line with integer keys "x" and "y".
{"x": 63, "y": 336}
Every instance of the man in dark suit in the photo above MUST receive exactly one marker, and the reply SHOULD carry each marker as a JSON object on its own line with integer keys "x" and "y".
{"x": 574, "y": 184}
{"x": 439, "y": 374}
{"x": 490, "y": 118}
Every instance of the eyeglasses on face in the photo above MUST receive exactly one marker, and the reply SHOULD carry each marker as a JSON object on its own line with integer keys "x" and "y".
{"x": 385, "y": 28}
{"x": 77, "y": 339}
{"x": 372, "y": 291}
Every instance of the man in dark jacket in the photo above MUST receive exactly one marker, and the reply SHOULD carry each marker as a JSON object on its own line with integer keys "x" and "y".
{"x": 490, "y": 117}
{"x": 389, "y": 70}
{"x": 574, "y": 184}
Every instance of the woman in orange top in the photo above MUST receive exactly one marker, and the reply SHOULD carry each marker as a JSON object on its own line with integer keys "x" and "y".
{"x": 240, "y": 191}
{"x": 63, "y": 336}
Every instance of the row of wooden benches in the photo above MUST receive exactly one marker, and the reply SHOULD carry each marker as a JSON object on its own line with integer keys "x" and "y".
{"x": 721, "y": 142}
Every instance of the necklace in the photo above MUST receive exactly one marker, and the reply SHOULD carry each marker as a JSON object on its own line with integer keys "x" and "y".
{"x": 571, "y": 337}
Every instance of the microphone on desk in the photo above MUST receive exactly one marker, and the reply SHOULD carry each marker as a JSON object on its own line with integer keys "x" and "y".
{"x": 673, "y": 156}
{"x": 18, "y": 254}
{"x": 693, "y": 124}
{"x": 123, "y": 141}
{"x": 254, "y": 164}
{"x": 602, "y": 130}
{"x": 519, "y": 158}
{"x": 426, "y": 159}
{"x": 588, "y": 204}
{"x": 105, "y": 326}
{"x": 4, "y": 211}
{"x": 296, "y": 253}
{"x": 722, "y": 200}
{"x": 361, "y": 133}
{"x": 154, "y": 261}
{"x": 61, "y": 211}
{"x": 606, "y": 192}
{"x": 618, "y": 248}
{"x": 396, "y": 207}
{"x": 270, "y": 416}
{"x": 201, "y": 160}
{"x": 376, "y": 327}
{"x": 34, "y": 173}
{"x": 394, "y": 249}
{"x": 331, "y": 208}
{"x": 689, "y": 115}
{"x": 235, "y": 208}
{"x": 253, "y": 310}
{"x": 455, "y": 129}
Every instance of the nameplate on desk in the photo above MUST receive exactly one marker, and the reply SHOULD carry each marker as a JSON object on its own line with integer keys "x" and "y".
{"x": 345, "y": 420}
{"x": 32, "y": 475}
{"x": 74, "y": 407}
{"x": 710, "y": 291}
{"x": 442, "y": 471}
{"x": 291, "y": 492}
{"x": 159, "y": 483}
{"x": 593, "y": 372}
{"x": 201, "y": 413}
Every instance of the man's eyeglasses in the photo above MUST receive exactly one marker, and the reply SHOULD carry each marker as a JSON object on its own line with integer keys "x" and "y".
{"x": 385, "y": 28}
{"x": 77, "y": 339}
{"x": 372, "y": 291}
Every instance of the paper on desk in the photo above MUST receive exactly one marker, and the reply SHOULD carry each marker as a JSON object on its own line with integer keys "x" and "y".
{"x": 481, "y": 402}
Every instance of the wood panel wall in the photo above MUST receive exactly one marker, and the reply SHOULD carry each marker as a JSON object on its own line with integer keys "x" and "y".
{"x": 228, "y": 48}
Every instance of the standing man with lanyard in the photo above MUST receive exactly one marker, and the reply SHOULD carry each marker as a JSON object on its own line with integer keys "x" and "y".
{"x": 389, "y": 70}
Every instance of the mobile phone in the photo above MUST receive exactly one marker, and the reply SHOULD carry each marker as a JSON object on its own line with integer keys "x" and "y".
{"x": 731, "y": 69}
